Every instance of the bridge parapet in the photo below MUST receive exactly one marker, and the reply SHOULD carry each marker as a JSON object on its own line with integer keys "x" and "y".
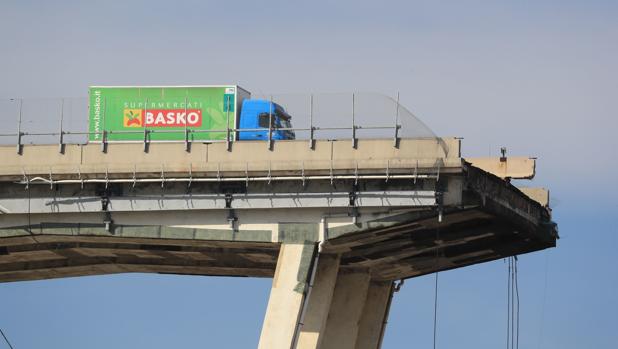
{"x": 246, "y": 158}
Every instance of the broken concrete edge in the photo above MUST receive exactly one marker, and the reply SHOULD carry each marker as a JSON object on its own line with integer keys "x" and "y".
{"x": 540, "y": 195}
{"x": 515, "y": 206}
{"x": 541, "y": 214}
{"x": 516, "y": 167}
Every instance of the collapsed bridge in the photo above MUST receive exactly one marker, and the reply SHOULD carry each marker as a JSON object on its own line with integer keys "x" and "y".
{"x": 334, "y": 224}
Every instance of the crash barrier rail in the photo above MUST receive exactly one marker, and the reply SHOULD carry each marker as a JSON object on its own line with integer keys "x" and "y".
{"x": 316, "y": 116}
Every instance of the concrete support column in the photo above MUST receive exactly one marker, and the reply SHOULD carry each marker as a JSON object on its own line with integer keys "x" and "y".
{"x": 319, "y": 303}
{"x": 346, "y": 310}
{"x": 375, "y": 312}
{"x": 287, "y": 295}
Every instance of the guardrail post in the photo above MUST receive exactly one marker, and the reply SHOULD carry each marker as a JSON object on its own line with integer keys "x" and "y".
{"x": 146, "y": 131}
{"x": 19, "y": 133}
{"x": 187, "y": 146}
{"x": 354, "y": 139}
{"x": 61, "y": 133}
{"x": 187, "y": 143}
{"x": 311, "y": 128}
{"x": 228, "y": 142}
{"x": 146, "y": 140}
{"x": 270, "y": 124}
{"x": 397, "y": 126}
{"x": 103, "y": 130}
{"x": 104, "y": 142}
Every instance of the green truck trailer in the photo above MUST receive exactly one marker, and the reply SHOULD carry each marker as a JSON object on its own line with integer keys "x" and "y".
{"x": 164, "y": 113}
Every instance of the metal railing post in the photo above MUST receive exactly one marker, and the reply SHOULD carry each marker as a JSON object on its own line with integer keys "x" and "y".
{"x": 228, "y": 142}
{"x": 397, "y": 126}
{"x": 270, "y": 124}
{"x": 61, "y": 134}
{"x": 145, "y": 140}
{"x": 354, "y": 140}
{"x": 103, "y": 130}
{"x": 187, "y": 147}
{"x": 101, "y": 123}
{"x": 19, "y": 133}
{"x": 146, "y": 131}
{"x": 311, "y": 128}
{"x": 104, "y": 141}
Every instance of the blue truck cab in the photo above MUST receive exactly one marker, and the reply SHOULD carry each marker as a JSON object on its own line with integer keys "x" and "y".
{"x": 255, "y": 115}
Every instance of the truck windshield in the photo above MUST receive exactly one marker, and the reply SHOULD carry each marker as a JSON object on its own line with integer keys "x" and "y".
{"x": 285, "y": 123}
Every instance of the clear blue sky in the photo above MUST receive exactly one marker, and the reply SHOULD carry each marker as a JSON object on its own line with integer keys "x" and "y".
{"x": 539, "y": 77}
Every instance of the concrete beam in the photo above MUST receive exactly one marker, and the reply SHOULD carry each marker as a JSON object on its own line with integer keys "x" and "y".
{"x": 54, "y": 203}
{"x": 346, "y": 310}
{"x": 511, "y": 167}
{"x": 319, "y": 303}
{"x": 373, "y": 319}
{"x": 287, "y": 296}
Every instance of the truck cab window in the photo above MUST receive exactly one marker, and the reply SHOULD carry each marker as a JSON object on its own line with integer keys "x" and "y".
{"x": 263, "y": 120}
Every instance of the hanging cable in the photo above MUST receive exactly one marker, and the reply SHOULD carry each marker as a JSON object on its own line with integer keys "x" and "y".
{"x": 517, "y": 302}
{"x": 6, "y": 339}
{"x": 508, "y": 305}
{"x": 512, "y": 303}
{"x": 435, "y": 311}
{"x": 542, "y": 321}
{"x": 435, "y": 295}
{"x": 512, "y": 318}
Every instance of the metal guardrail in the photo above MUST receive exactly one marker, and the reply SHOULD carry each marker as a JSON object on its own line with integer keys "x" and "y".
{"x": 350, "y": 131}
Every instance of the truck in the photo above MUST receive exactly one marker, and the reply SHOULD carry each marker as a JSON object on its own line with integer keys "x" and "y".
{"x": 179, "y": 113}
